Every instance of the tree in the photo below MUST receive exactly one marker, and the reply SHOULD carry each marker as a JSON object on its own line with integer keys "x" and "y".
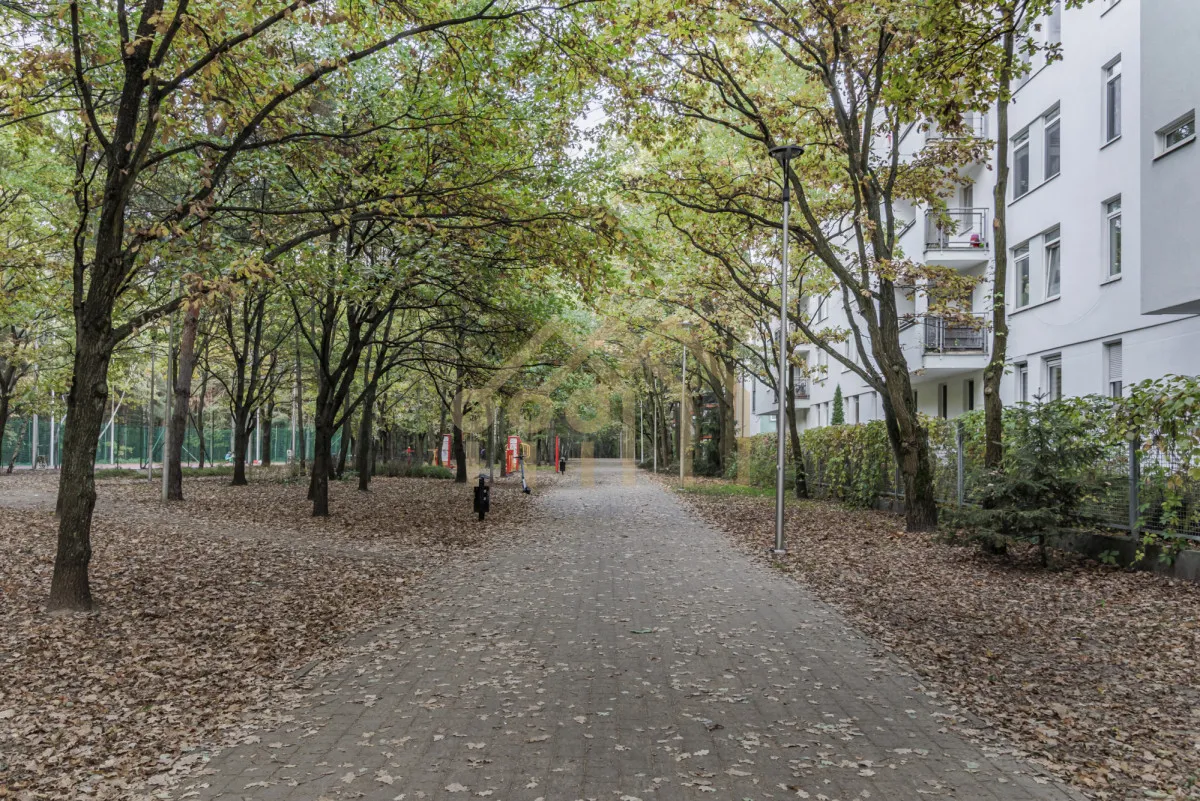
{"x": 162, "y": 108}
{"x": 839, "y": 77}
{"x": 980, "y": 48}
{"x": 838, "y": 416}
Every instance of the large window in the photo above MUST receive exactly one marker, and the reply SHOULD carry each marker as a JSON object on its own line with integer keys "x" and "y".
{"x": 1112, "y": 229}
{"x": 1054, "y": 378}
{"x": 1112, "y": 101}
{"x": 1021, "y": 262}
{"x": 1114, "y": 369}
{"x": 1053, "y": 140}
{"x": 1053, "y": 265}
{"x": 1021, "y": 164}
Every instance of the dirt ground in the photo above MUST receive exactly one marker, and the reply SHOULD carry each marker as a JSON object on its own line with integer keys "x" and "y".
{"x": 206, "y": 610}
{"x": 1090, "y": 669}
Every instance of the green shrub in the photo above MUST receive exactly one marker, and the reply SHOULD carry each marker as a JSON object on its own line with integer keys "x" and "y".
{"x": 1043, "y": 482}
{"x": 401, "y": 469}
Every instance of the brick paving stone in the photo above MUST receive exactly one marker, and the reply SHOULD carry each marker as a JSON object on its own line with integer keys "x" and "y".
{"x": 623, "y": 651}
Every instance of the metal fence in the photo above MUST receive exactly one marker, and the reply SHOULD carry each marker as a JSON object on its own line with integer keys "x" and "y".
{"x": 126, "y": 441}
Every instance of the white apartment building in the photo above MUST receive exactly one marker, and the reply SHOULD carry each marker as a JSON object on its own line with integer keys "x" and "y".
{"x": 1103, "y": 198}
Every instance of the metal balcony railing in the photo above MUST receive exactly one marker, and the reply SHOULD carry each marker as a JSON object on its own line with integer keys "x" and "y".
{"x": 974, "y": 126}
{"x": 956, "y": 229}
{"x": 954, "y": 336}
{"x": 801, "y": 389}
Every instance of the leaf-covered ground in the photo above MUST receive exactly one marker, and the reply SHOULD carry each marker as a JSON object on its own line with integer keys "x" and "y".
{"x": 206, "y": 611}
{"x": 1094, "y": 672}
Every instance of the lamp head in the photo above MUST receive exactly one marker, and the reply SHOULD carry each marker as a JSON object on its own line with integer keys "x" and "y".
{"x": 785, "y": 153}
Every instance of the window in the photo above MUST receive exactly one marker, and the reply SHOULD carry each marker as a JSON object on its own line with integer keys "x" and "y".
{"x": 1054, "y": 24}
{"x": 1112, "y": 366}
{"x": 1020, "y": 164}
{"x": 1112, "y": 101}
{"x": 969, "y": 395}
{"x": 822, "y": 311}
{"x": 1053, "y": 141}
{"x": 967, "y": 195}
{"x": 1022, "y": 383}
{"x": 1021, "y": 262}
{"x": 943, "y": 401}
{"x": 1112, "y": 226}
{"x": 1053, "y": 265}
{"x": 1025, "y": 61}
{"x": 857, "y": 409}
{"x": 1054, "y": 378}
{"x": 1178, "y": 133}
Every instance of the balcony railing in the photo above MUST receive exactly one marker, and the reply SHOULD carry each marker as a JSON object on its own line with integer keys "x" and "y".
{"x": 956, "y": 336}
{"x": 956, "y": 229}
{"x": 801, "y": 394}
{"x": 974, "y": 126}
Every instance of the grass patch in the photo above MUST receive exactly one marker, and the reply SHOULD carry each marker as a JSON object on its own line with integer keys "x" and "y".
{"x": 118, "y": 472}
{"x": 217, "y": 470}
{"x": 188, "y": 472}
{"x": 738, "y": 490}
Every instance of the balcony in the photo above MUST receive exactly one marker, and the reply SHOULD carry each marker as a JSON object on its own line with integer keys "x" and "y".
{"x": 957, "y": 237}
{"x": 955, "y": 345}
{"x": 974, "y": 126}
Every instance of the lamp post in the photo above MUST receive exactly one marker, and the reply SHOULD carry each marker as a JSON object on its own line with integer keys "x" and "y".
{"x": 783, "y": 154}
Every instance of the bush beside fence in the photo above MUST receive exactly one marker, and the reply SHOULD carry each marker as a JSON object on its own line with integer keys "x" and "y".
{"x": 1140, "y": 471}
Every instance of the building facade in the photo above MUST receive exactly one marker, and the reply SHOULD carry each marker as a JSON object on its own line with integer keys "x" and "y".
{"x": 1103, "y": 285}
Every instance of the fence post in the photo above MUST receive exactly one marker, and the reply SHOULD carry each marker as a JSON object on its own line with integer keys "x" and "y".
{"x": 1135, "y": 479}
{"x": 958, "y": 440}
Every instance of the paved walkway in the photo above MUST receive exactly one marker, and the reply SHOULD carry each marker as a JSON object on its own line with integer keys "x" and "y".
{"x": 624, "y": 652}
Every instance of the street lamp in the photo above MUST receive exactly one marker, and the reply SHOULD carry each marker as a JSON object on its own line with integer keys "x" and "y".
{"x": 783, "y": 154}
{"x": 684, "y": 422}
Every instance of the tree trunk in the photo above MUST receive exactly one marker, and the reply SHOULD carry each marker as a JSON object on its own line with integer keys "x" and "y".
{"x": 799, "y": 475}
{"x": 300, "y": 444}
{"x": 343, "y": 449}
{"x": 69, "y": 588}
{"x": 460, "y": 449}
{"x": 993, "y": 374}
{"x": 12, "y": 459}
{"x": 362, "y": 457}
{"x": 183, "y": 395}
{"x": 198, "y": 418}
{"x": 3, "y": 417}
{"x": 460, "y": 457}
{"x": 266, "y": 423}
{"x": 241, "y": 444}
{"x": 322, "y": 463}
{"x": 910, "y": 446}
